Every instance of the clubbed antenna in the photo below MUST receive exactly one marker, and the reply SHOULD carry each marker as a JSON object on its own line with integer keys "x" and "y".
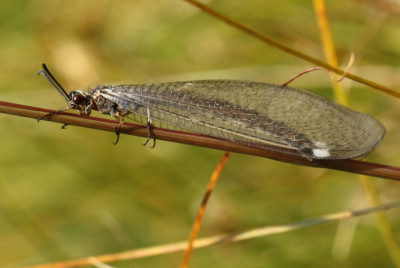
{"x": 47, "y": 74}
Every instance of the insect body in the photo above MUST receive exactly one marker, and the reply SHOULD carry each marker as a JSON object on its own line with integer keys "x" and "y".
{"x": 273, "y": 117}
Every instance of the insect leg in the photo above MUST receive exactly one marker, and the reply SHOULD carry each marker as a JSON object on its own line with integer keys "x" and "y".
{"x": 53, "y": 113}
{"x": 149, "y": 130}
{"x": 118, "y": 129}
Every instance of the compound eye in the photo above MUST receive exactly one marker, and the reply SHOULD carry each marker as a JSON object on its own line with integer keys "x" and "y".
{"x": 78, "y": 99}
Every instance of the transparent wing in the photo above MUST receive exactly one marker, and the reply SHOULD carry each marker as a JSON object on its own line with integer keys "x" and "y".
{"x": 258, "y": 114}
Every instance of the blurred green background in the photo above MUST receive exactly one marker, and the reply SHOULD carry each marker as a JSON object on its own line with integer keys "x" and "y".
{"x": 67, "y": 194}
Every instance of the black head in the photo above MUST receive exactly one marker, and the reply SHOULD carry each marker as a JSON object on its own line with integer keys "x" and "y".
{"x": 80, "y": 101}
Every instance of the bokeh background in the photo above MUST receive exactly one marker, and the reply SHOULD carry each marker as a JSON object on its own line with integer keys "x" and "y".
{"x": 67, "y": 194}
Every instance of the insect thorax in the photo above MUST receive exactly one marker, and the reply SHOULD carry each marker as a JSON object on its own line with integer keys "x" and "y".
{"x": 105, "y": 106}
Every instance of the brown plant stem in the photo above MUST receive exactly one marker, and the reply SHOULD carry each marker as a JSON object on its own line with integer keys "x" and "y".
{"x": 353, "y": 166}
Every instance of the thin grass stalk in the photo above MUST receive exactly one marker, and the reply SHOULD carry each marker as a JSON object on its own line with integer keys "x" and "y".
{"x": 200, "y": 213}
{"x": 218, "y": 239}
{"x": 384, "y": 226}
{"x": 340, "y": 95}
{"x": 329, "y": 48}
{"x": 290, "y": 50}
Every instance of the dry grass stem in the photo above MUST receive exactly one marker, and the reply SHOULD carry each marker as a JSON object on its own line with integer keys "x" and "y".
{"x": 219, "y": 239}
{"x": 291, "y": 51}
{"x": 370, "y": 190}
{"x": 197, "y": 222}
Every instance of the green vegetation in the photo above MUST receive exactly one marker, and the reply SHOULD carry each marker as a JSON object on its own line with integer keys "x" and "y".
{"x": 68, "y": 194}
